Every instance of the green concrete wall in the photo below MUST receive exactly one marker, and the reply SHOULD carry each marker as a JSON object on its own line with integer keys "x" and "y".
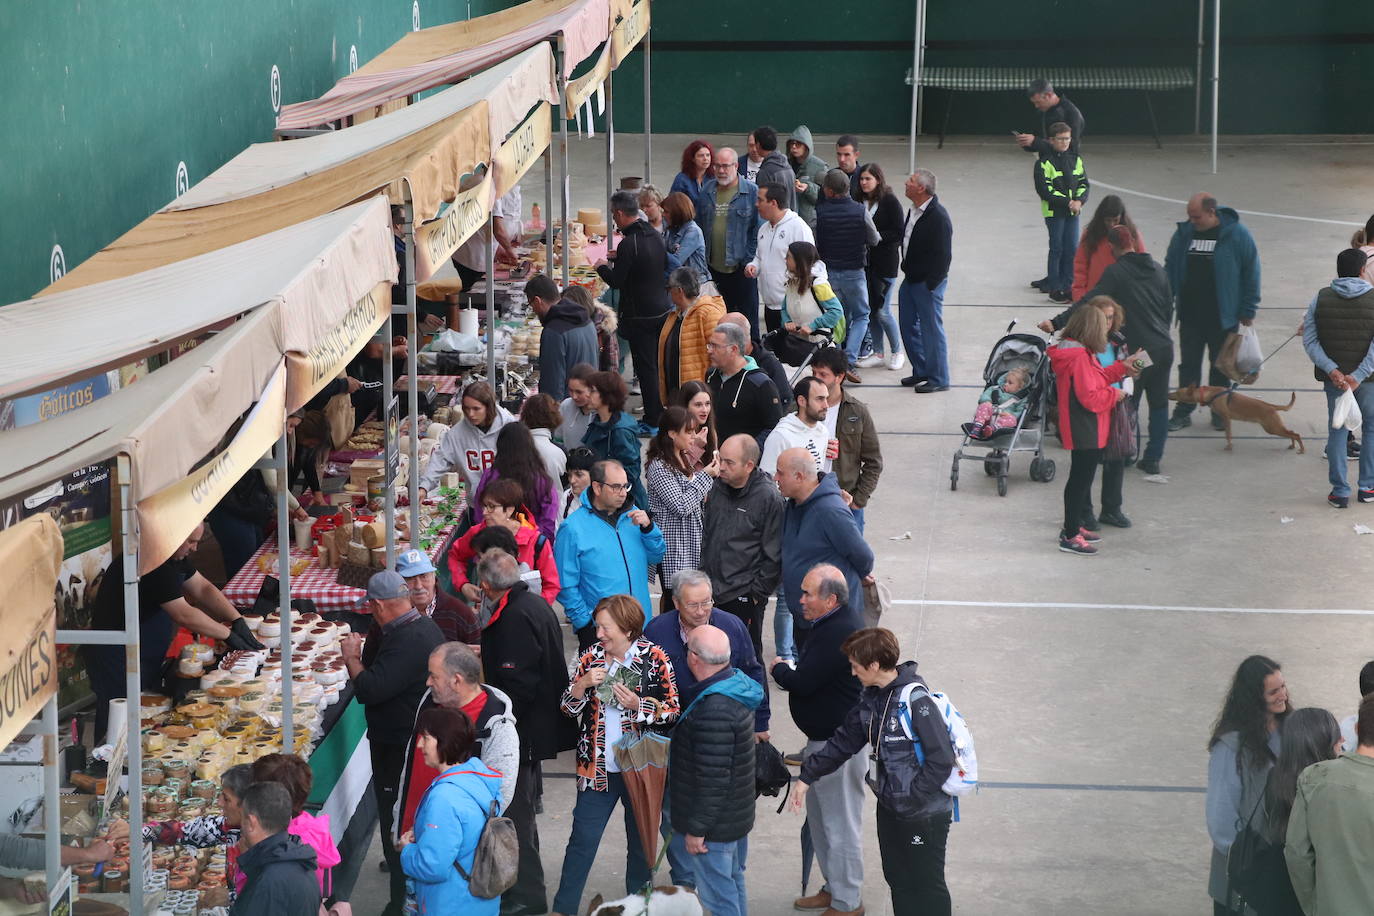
{"x": 103, "y": 99}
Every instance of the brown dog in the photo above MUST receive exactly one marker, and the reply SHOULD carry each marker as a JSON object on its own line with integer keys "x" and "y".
{"x": 1236, "y": 406}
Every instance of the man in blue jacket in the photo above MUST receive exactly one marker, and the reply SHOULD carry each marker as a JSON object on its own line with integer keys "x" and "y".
{"x": 1214, "y": 272}
{"x": 606, "y": 550}
{"x": 817, "y": 527}
{"x": 728, "y": 214}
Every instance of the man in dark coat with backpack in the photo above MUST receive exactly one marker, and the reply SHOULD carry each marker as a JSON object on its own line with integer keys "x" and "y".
{"x": 908, "y": 773}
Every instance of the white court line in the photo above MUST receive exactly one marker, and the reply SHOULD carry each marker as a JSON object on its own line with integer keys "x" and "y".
{"x": 1172, "y": 200}
{"x": 1195, "y": 609}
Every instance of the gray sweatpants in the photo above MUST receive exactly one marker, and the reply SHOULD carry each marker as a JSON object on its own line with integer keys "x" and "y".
{"x": 834, "y": 811}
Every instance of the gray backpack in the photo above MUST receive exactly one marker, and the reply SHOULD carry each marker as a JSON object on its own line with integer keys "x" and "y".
{"x": 497, "y": 857}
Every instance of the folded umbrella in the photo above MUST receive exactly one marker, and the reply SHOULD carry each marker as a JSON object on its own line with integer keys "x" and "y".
{"x": 643, "y": 761}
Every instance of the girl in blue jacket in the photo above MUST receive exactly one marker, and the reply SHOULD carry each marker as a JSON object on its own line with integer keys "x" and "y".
{"x": 450, "y": 818}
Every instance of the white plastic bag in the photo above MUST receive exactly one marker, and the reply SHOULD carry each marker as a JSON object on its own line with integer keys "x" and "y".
{"x": 1346, "y": 412}
{"x": 454, "y": 342}
{"x": 1248, "y": 355}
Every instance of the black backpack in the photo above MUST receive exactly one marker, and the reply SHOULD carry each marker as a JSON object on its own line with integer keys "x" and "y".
{"x": 771, "y": 776}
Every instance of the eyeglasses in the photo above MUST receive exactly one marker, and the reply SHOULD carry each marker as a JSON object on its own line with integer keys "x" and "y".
{"x": 698, "y": 605}
{"x": 727, "y": 166}
{"x": 492, "y": 507}
{"x": 712, "y": 345}
{"x": 618, "y": 487}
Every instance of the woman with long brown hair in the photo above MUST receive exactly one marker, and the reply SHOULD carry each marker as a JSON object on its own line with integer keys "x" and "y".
{"x": 695, "y": 397}
{"x": 1094, "y": 253}
{"x": 676, "y": 492}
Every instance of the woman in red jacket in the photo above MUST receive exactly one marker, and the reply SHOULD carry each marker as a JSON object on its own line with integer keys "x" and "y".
{"x": 1086, "y": 399}
{"x": 1094, "y": 251}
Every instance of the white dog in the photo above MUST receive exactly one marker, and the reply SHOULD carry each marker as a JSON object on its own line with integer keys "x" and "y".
{"x": 664, "y": 901}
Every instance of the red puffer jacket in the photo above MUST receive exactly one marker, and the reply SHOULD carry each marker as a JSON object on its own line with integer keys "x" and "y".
{"x": 1086, "y": 397}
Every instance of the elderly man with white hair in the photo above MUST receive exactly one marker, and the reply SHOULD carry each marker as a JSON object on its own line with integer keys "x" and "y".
{"x": 711, "y": 772}
{"x": 927, "y": 235}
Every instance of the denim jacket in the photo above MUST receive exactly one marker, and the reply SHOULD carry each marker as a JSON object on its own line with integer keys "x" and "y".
{"x": 741, "y": 235}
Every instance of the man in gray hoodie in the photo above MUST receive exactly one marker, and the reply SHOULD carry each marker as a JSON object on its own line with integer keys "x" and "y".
{"x": 1338, "y": 334}
{"x": 808, "y": 170}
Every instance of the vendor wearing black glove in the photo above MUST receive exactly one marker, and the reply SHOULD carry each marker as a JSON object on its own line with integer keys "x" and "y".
{"x": 174, "y": 594}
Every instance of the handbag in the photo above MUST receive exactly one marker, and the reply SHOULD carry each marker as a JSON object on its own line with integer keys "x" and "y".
{"x": 1122, "y": 434}
{"x": 339, "y": 412}
{"x": 877, "y": 602}
{"x": 496, "y": 859}
{"x": 1253, "y": 862}
{"x": 771, "y": 776}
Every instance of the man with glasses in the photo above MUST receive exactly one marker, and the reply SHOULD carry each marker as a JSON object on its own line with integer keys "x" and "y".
{"x": 606, "y": 550}
{"x": 727, "y": 212}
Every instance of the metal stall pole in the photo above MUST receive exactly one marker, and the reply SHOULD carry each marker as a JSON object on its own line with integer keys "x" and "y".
{"x": 491, "y": 308}
{"x": 288, "y": 722}
{"x": 648, "y": 91}
{"x": 610, "y": 140}
{"x": 566, "y": 188}
{"x": 917, "y": 44}
{"x": 1197, "y": 71}
{"x": 52, "y": 819}
{"x": 388, "y": 392}
{"x": 412, "y": 366}
{"x": 1216, "y": 77}
{"x": 548, "y": 210}
{"x": 133, "y": 685}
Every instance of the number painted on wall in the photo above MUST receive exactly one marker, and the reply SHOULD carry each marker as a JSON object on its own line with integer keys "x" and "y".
{"x": 352, "y": 58}
{"x": 57, "y": 264}
{"x": 275, "y": 88}
{"x": 183, "y": 180}
{"x": 415, "y": 16}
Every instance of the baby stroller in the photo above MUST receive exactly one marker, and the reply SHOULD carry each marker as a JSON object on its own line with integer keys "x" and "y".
{"x": 793, "y": 351}
{"x": 1013, "y": 351}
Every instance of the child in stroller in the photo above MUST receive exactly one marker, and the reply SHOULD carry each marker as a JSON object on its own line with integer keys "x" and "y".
{"x": 1001, "y": 405}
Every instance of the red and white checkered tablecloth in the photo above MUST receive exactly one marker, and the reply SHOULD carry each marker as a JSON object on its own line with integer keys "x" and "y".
{"x": 315, "y": 582}
{"x": 443, "y": 384}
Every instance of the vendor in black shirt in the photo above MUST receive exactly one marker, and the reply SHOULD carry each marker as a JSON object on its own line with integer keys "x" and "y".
{"x": 172, "y": 595}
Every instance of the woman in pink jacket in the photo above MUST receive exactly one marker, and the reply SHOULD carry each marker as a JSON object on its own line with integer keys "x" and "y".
{"x": 313, "y": 829}
{"x": 1094, "y": 252}
{"x": 1086, "y": 399}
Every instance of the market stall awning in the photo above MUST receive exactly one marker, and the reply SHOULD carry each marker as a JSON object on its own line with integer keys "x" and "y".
{"x": 31, "y": 556}
{"x": 268, "y": 186}
{"x": 317, "y": 270}
{"x": 442, "y": 54}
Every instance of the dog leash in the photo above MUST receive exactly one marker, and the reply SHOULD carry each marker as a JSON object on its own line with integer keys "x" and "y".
{"x": 1231, "y": 389}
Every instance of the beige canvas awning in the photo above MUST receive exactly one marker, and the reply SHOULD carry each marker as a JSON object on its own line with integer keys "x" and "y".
{"x": 317, "y": 270}
{"x": 442, "y": 54}
{"x": 31, "y": 556}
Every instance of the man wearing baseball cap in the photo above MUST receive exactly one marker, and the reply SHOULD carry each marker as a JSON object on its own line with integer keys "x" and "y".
{"x": 389, "y": 680}
{"x": 453, "y": 616}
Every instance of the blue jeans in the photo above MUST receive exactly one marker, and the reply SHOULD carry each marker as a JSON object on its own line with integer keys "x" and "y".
{"x": 852, "y": 289}
{"x": 681, "y": 867}
{"x": 858, "y": 518}
{"x": 720, "y": 877}
{"x": 1336, "y": 438}
{"x": 783, "y": 643}
{"x": 1063, "y": 245}
{"x": 881, "y": 321}
{"x": 590, "y": 814}
{"x": 920, "y": 317}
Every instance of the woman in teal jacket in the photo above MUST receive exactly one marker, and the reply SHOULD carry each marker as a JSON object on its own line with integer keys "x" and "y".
{"x": 613, "y": 433}
{"x": 450, "y": 818}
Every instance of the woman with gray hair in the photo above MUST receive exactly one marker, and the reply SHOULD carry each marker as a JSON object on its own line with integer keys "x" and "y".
{"x": 682, "y": 341}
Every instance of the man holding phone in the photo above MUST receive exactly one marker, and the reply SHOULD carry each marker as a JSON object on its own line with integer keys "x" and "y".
{"x": 1053, "y": 108}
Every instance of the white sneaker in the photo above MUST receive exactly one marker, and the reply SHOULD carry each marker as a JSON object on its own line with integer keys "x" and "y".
{"x": 874, "y": 359}
{"x": 896, "y": 362}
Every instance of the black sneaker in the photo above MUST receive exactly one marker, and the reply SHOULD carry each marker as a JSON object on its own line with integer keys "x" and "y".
{"x": 1367, "y": 496}
{"x": 1337, "y": 502}
{"x": 1040, "y": 284}
{"x": 1180, "y": 421}
{"x": 1061, "y": 296}
{"x": 1148, "y": 466}
{"x": 1352, "y": 448}
{"x": 1091, "y": 523}
{"x": 1118, "y": 520}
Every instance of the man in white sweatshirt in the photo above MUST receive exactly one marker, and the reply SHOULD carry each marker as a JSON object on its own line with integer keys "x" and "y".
{"x": 470, "y": 446}
{"x": 778, "y": 228}
{"x": 804, "y": 429}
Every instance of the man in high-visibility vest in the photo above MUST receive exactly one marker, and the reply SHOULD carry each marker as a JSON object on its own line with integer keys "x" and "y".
{"x": 1062, "y": 183}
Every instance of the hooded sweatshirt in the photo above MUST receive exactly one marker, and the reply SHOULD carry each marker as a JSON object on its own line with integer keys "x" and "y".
{"x": 775, "y": 169}
{"x": 821, "y": 529}
{"x": 448, "y": 824}
{"x": 770, "y": 260}
{"x": 809, "y": 169}
{"x": 1139, "y": 283}
{"x": 792, "y": 432}
{"x": 467, "y": 450}
{"x": 599, "y": 556}
{"x": 1339, "y": 330}
{"x": 534, "y": 550}
{"x": 569, "y": 338}
{"x": 1086, "y": 397}
{"x": 280, "y": 878}
{"x": 313, "y": 829}
{"x": 711, "y": 759}
{"x": 1235, "y": 267}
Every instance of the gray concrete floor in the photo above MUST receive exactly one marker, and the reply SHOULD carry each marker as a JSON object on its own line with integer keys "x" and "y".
{"x": 1090, "y": 686}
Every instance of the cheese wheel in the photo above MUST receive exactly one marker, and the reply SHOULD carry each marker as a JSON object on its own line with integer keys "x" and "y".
{"x": 589, "y": 215}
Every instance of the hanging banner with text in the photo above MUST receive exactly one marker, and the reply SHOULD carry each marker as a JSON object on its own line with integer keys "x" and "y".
{"x": 585, "y": 86}
{"x": 169, "y": 515}
{"x": 307, "y": 373}
{"x": 630, "y": 31}
{"x": 438, "y": 239}
{"x": 523, "y": 148}
{"x": 31, "y": 555}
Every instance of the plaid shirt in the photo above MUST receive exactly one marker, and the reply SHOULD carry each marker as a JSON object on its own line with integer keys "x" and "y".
{"x": 675, "y": 502}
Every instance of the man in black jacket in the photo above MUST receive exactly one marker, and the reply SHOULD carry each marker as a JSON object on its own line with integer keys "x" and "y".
{"x": 743, "y": 397}
{"x": 569, "y": 336}
{"x": 914, "y": 813}
{"x": 711, "y": 772}
{"x": 639, "y": 273}
{"x": 279, "y": 870}
{"x": 741, "y": 542}
{"x": 763, "y": 358}
{"x": 844, "y": 233}
{"x": 926, "y": 252}
{"x": 522, "y": 655}
{"x": 821, "y": 690}
{"x": 389, "y": 680}
{"x": 1139, "y": 283}
{"x": 1053, "y": 108}
{"x": 774, "y": 169}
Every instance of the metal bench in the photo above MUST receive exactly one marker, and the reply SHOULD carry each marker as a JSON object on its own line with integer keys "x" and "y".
{"x": 1007, "y": 79}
